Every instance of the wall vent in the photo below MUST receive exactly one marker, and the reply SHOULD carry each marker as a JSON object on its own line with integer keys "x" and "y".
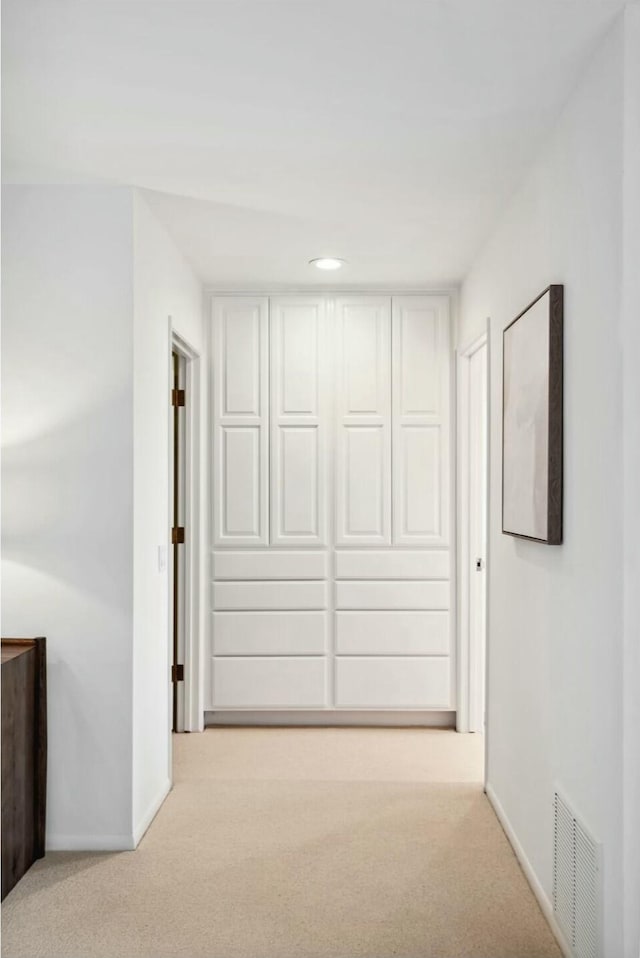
{"x": 576, "y": 882}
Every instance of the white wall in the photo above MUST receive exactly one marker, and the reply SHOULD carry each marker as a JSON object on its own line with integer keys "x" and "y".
{"x": 165, "y": 292}
{"x": 90, "y": 280}
{"x": 556, "y": 648}
{"x": 67, "y": 491}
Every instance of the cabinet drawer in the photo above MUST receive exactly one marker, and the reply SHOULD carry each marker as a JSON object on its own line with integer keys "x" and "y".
{"x": 276, "y": 682}
{"x": 392, "y": 633}
{"x": 392, "y": 595}
{"x": 269, "y": 633}
{"x": 269, "y": 595}
{"x": 392, "y": 564}
{"x": 390, "y": 682}
{"x": 269, "y": 565}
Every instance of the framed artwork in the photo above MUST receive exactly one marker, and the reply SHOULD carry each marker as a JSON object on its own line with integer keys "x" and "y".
{"x": 532, "y": 420}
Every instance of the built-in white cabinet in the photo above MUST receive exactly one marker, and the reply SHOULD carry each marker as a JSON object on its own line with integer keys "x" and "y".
{"x": 331, "y": 570}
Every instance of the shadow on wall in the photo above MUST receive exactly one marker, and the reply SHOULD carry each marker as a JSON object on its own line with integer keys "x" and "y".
{"x": 61, "y": 514}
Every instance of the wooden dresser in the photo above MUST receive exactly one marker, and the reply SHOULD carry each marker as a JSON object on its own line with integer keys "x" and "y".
{"x": 24, "y": 756}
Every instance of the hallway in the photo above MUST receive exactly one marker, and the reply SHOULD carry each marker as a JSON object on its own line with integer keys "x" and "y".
{"x": 297, "y": 843}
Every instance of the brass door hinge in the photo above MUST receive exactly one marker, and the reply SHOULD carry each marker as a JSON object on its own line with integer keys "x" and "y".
{"x": 177, "y": 535}
{"x": 177, "y": 673}
{"x": 177, "y": 397}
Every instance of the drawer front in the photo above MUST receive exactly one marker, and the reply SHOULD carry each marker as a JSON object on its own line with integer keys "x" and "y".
{"x": 270, "y": 633}
{"x": 392, "y": 565}
{"x": 390, "y": 682}
{"x": 269, "y": 683}
{"x": 392, "y": 595}
{"x": 392, "y": 633}
{"x": 269, "y": 565}
{"x": 246, "y": 596}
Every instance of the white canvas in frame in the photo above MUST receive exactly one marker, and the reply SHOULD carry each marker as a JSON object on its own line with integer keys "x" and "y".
{"x": 532, "y": 381}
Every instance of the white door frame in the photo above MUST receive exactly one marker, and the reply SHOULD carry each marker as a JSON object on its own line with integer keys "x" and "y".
{"x": 471, "y": 666}
{"x": 191, "y": 703}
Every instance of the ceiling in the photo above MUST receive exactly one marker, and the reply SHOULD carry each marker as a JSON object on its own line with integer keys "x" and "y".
{"x": 267, "y": 132}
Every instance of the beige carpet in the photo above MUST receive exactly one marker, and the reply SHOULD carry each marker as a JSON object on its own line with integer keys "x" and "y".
{"x": 296, "y": 843}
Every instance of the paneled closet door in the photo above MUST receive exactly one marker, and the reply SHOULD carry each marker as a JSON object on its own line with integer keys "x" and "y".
{"x": 240, "y": 376}
{"x": 421, "y": 362}
{"x": 298, "y": 421}
{"x": 363, "y": 468}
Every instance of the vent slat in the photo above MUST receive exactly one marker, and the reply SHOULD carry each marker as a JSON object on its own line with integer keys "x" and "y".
{"x": 576, "y": 882}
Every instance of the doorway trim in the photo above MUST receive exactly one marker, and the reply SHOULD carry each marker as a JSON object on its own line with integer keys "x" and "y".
{"x": 471, "y": 672}
{"x": 192, "y": 718}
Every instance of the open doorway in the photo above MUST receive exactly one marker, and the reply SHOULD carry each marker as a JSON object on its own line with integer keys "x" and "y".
{"x": 473, "y": 466}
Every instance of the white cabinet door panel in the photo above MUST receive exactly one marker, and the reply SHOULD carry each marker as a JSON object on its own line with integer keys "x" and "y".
{"x": 270, "y": 633}
{"x": 365, "y": 356}
{"x": 363, "y": 397}
{"x": 421, "y": 401}
{"x": 241, "y": 343}
{"x": 241, "y": 516}
{"x": 392, "y": 633}
{"x": 270, "y": 565}
{"x": 416, "y": 356}
{"x": 240, "y": 417}
{"x": 390, "y": 682}
{"x": 295, "y": 499}
{"x": 298, "y": 420}
{"x": 269, "y": 595}
{"x": 417, "y": 471}
{"x": 269, "y": 682}
{"x": 296, "y": 355}
{"x": 365, "y": 485}
{"x": 392, "y": 595}
{"x": 392, "y": 564}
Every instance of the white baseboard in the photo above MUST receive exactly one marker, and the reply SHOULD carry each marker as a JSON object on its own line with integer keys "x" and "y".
{"x": 150, "y": 813}
{"x": 109, "y": 843}
{"x": 529, "y": 873}
{"x": 333, "y": 718}
{"x": 89, "y": 843}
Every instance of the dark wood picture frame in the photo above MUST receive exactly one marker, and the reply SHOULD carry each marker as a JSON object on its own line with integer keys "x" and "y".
{"x": 554, "y": 489}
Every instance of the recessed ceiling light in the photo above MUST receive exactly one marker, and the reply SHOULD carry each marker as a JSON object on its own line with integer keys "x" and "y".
{"x": 327, "y": 262}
